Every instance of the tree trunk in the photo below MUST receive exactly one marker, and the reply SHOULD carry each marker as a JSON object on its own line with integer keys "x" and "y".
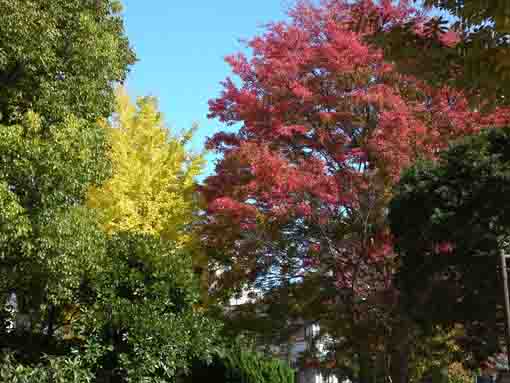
{"x": 399, "y": 367}
{"x": 365, "y": 365}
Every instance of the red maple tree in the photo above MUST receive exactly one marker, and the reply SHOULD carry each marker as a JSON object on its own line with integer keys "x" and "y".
{"x": 326, "y": 127}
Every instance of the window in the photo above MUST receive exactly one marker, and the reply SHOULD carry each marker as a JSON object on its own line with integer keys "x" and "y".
{"x": 329, "y": 379}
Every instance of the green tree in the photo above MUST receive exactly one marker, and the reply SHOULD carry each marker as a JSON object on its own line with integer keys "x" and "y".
{"x": 60, "y": 57}
{"x": 59, "y": 61}
{"x": 450, "y": 220}
{"x": 132, "y": 318}
{"x": 140, "y": 310}
{"x": 50, "y": 242}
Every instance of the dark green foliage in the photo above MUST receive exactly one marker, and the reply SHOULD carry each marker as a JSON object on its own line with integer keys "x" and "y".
{"x": 142, "y": 311}
{"x": 124, "y": 312}
{"x": 238, "y": 365}
{"x": 450, "y": 220}
{"x": 55, "y": 370}
{"x": 476, "y": 12}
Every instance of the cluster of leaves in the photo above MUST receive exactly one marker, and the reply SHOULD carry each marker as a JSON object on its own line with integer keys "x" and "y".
{"x": 438, "y": 350}
{"x": 54, "y": 370}
{"x": 450, "y": 222}
{"x": 60, "y": 57}
{"x": 151, "y": 190}
{"x": 236, "y": 364}
{"x": 142, "y": 310}
{"x": 472, "y": 53}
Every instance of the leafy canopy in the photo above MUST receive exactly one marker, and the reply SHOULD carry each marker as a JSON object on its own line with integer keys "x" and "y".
{"x": 60, "y": 57}
{"x": 142, "y": 312}
{"x": 327, "y": 125}
{"x": 450, "y": 221}
{"x": 237, "y": 364}
{"x": 469, "y": 51}
{"x": 152, "y": 187}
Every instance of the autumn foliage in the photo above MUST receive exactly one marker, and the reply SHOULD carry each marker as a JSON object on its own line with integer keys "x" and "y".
{"x": 326, "y": 127}
{"x": 153, "y": 175}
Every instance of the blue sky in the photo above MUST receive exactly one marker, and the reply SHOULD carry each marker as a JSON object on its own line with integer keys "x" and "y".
{"x": 181, "y": 46}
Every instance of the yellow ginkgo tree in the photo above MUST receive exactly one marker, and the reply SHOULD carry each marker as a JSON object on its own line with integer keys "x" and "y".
{"x": 152, "y": 187}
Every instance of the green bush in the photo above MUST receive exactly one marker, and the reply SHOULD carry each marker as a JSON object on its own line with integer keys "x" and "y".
{"x": 55, "y": 370}
{"x": 241, "y": 366}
